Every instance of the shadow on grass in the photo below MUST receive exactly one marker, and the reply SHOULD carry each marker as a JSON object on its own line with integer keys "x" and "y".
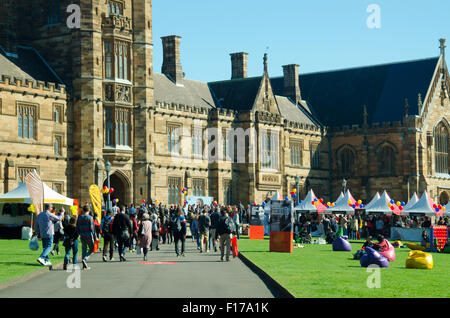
{"x": 20, "y": 264}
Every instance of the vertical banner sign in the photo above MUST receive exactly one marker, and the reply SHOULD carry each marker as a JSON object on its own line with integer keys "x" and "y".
{"x": 281, "y": 226}
{"x": 96, "y": 198}
{"x": 256, "y": 222}
{"x": 36, "y": 191}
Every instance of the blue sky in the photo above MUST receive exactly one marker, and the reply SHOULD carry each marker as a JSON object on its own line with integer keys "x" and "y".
{"x": 318, "y": 35}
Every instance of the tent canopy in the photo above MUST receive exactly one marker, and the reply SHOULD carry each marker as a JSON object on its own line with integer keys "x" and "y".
{"x": 423, "y": 206}
{"x": 381, "y": 205}
{"x": 375, "y": 198}
{"x": 342, "y": 205}
{"x": 411, "y": 202}
{"x": 341, "y": 195}
{"x": 21, "y": 195}
{"x": 307, "y": 205}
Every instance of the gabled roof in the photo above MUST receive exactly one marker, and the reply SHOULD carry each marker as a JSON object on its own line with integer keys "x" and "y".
{"x": 338, "y": 97}
{"x": 237, "y": 94}
{"x": 192, "y": 93}
{"x": 27, "y": 65}
{"x": 292, "y": 112}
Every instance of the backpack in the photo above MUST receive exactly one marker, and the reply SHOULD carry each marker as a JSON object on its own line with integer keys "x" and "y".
{"x": 176, "y": 224}
{"x": 107, "y": 226}
{"x": 229, "y": 225}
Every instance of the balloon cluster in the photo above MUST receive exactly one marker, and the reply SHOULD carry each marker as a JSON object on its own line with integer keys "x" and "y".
{"x": 438, "y": 207}
{"x": 264, "y": 203}
{"x": 215, "y": 203}
{"x": 329, "y": 205}
{"x": 105, "y": 190}
{"x": 31, "y": 209}
{"x": 293, "y": 193}
{"x": 184, "y": 191}
{"x": 156, "y": 202}
{"x": 186, "y": 202}
{"x": 74, "y": 210}
{"x": 115, "y": 201}
{"x": 317, "y": 201}
{"x": 254, "y": 204}
{"x": 357, "y": 204}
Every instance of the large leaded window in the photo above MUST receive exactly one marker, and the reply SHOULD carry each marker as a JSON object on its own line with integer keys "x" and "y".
{"x": 227, "y": 192}
{"x": 26, "y": 121}
{"x": 269, "y": 150}
{"x": 117, "y": 128}
{"x": 173, "y": 139}
{"x": 198, "y": 187}
{"x": 386, "y": 161}
{"x": 296, "y": 153}
{"x": 22, "y": 173}
{"x": 174, "y": 189}
{"x": 441, "y": 149}
{"x": 315, "y": 156}
{"x": 346, "y": 161}
{"x": 197, "y": 141}
{"x": 117, "y": 61}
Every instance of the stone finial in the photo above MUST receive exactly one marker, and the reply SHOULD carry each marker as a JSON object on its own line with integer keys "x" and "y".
{"x": 419, "y": 102}
{"x": 406, "y": 107}
{"x": 265, "y": 63}
{"x": 442, "y": 46}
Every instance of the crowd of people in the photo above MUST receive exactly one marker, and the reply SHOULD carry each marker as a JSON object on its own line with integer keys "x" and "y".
{"x": 359, "y": 225}
{"x": 138, "y": 229}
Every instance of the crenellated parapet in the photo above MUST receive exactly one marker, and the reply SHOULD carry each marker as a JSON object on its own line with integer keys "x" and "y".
{"x": 31, "y": 87}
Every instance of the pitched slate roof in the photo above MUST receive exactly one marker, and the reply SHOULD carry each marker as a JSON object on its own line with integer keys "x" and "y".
{"x": 238, "y": 94}
{"x": 192, "y": 93}
{"x": 294, "y": 113}
{"x": 337, "y": 97}
{"x": 27, "y": 65}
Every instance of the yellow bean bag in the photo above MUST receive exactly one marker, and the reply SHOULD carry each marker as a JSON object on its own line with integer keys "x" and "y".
{"x": 415, "y": 246}
{"x": 419, "y": 259}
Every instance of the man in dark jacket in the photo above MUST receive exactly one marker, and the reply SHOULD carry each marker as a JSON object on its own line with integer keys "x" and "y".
{"x": 225, "y": 230}
{"x": 215, "y": 217}
{"x": 122, "y": 230}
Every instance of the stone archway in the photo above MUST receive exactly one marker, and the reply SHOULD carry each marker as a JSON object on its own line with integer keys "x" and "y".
{"x": 121, "y": 186}
{"x": 443, "y": 198}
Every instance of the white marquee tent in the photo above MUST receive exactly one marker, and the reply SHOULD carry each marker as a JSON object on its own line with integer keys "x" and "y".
{"x": 375, "y": 198}
{"x": 341, "y": 205}
{"x": 21, "y": 195}
{"x": 423, "y": 206}
{"x": 381, "y": 205}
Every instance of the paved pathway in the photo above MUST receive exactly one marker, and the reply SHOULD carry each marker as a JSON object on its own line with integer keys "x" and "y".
{"x": 196, "y": 275}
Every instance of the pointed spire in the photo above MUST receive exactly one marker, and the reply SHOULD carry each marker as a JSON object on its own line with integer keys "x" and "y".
{"x": 406, "y": 107}
{"x": 265, "y": 63}
{"x": 419, "y": 103}
{"x": 442, "y": 46}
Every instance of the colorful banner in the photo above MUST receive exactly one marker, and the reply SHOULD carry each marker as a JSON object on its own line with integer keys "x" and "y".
{"x": 36, "y": 191}
{"x": 96, "y": 198}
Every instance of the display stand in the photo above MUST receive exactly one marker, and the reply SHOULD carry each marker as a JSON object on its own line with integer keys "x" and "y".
{"x": 281, "y": 227}
{"x": 256, "y": 231}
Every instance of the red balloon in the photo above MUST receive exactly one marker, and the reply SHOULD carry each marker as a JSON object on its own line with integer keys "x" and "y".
{"x": 321, "y": 200}
{"x": 392, "y": 208}
{"x": 440, "y": 206}
{"x": 350, "y": 204}
{"x": 111, "y": 190}
{"x": 401, "y": 208}
{"x": 312, "y": 202}
{"x": 434, "y": 206}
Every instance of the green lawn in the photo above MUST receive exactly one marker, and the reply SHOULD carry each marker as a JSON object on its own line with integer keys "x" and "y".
{"x": 317, "y": 271}
{"x": 17, "y": 260}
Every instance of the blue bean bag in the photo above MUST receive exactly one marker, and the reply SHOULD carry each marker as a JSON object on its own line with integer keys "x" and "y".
{"x": 342, "y": 245}
{"x": 372, "y": 257}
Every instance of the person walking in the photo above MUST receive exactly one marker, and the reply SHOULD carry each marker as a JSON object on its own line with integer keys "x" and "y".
{"x": 86, "y": 230}
{"x": 59, "y": 234}
{"x": 44, "y": 228}
{"x": 134, "y": 233}
{"x": 215, "y": 217}
{"x": 179, "y": 231}
{"x": 122, "y": 230}
{"x": 156, "y": 225}
{"x": 115, "y": 209}
{"x": 145, "y": 234}
{"x": 225, "y": 229}
{"x": 108, "y": 237}
{"x": 236, "y": 222}
{"x": 204, "y": 222}
{"x": 70, "y": 242}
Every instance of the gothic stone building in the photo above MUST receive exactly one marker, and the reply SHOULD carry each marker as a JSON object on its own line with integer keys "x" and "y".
{"x": 73, "y": 99}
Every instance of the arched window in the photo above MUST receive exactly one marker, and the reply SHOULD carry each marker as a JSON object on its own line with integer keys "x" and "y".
{"x": 346, "y": 161}
{"x": 441, "y": 149}
{"x": 386, "y": 161}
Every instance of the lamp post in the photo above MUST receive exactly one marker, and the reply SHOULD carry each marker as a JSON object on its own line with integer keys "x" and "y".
{"x": 108, "y": 170}
{"x": 297, "y": 180}
{"x": 344, "y": 185}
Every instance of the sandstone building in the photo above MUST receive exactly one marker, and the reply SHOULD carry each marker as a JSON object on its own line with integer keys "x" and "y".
{"x": 72, "y": 99}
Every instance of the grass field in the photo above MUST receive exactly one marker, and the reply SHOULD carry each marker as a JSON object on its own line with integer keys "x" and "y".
{"x": 317, "y": 271}
{"x": 17, "y": 260}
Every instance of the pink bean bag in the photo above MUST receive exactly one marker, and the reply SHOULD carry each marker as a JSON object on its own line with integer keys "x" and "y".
{"x": 389, "y": 253}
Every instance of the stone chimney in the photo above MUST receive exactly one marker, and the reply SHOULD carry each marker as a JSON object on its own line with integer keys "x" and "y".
{"x": 291, "y": 82}
{"x": 171, "y": 58}
{"x": 239, "y": 65}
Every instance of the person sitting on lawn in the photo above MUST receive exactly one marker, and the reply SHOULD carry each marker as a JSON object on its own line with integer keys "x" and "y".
{"x": 330, "y": 236}
{"x": 382, "y": 245}
{"x": 367, "y": 243}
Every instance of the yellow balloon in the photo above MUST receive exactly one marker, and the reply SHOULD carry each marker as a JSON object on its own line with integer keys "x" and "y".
{"x": 295, "y": 190}
{"x": 349, "y": 201}
{"x": 398, "y": 203}
{"x": 359, "y": 201}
